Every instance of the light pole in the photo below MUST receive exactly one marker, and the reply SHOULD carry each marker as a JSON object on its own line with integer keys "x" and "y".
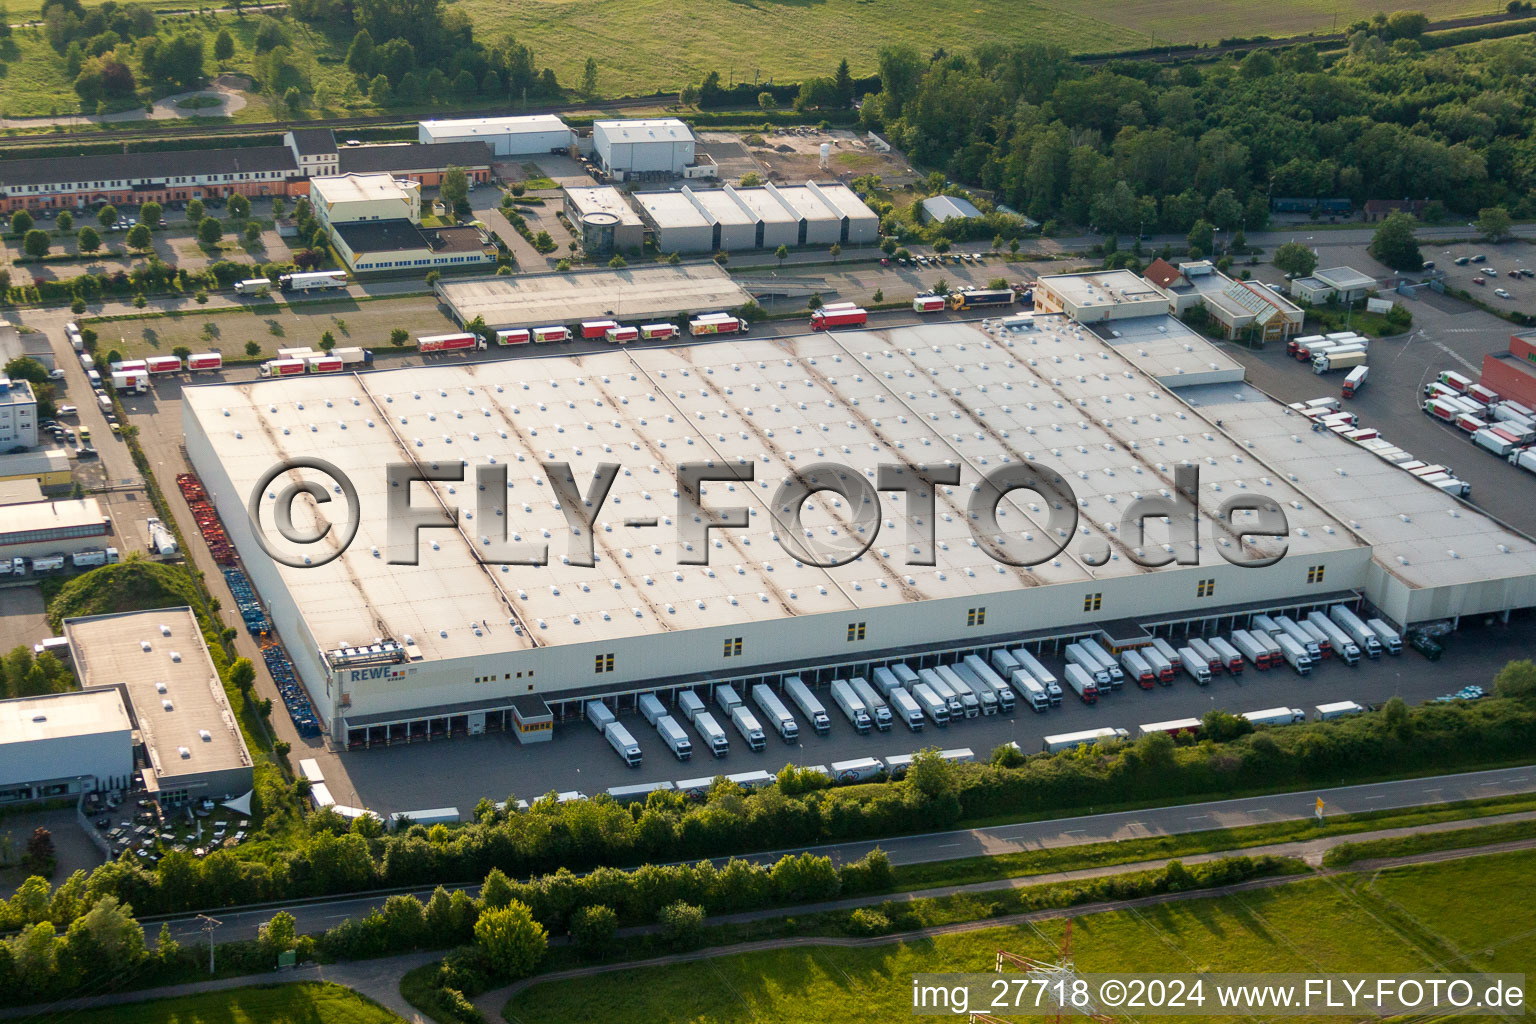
{"x": 209, "y": 924}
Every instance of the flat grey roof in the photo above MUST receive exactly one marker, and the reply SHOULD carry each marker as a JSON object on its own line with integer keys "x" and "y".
{"x": 603, "y": 199}
{"x": 535, "y": 300}
{"x": 159, "y": 659}
{"x": 671, "y": 210}
{"x": 61, "y": 715}
{"x": 1344, "y": 278}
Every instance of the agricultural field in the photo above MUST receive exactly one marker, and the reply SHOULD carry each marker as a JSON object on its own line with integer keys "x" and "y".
{"x": 299, "y": 1003}
{"x": 273, "y": 326}
{"x": 645, "y": 45}
{"x": 1406, "y": 919}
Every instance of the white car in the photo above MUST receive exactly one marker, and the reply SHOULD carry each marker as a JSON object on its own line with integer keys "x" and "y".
{"x": 56, "y": 375}
{"x": 1501, "y": 293}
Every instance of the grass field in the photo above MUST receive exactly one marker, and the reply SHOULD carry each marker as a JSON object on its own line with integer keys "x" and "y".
{"x": 1409, "y": 919}
{"x": 273, "y": 326}
{"x": 299, "y": 1003}
{"x": 644, "y": 45}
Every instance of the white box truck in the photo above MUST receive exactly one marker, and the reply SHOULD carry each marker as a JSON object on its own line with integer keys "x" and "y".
{"x": 652, "y": 708}
{"x": 1343, "y": 646}
{"x": 885, "y": 680}
{"x": 714, "y": 736}
{"x": 1042, "y": 675}
{"x": 878, "y": 708}
{"x": 1195, "y": 666}
{"x": 851, "y": 706}
{"x": 620, "y": 740}
{"x": 599, "y": 715}
{"x": 970, "y": 704}
{"x": 746, "y": 724}
{"x": 1276, "y": 716}
{"x": 985, "y": 695}
{"x": 946, "y": 693}
{"x": 906, "y": 708}
{"x": 1168, "y": 651}
{"x": 1162, "y": 667}
{"x": 809, "y": 706}
{"x": 674, "y": 737}
{"x": 861, "y": 769}
{"x": 777, "y": 714}
{"x": 690, "y": 704}
{"x": 1116, "y": 677}
{"x": 1390, "y": 641}
{"x": 996, "y": 680}
{"x": 1338, "y": 709}
{"x": 1324, "y": 645}
{"x": 1004, "y": 663}
{"x": 1363, "y": 636}
{"x": 726, "y": 699}
{"x": 1070, "y": 740}
{"x": 1293, "y": 630}
{"x": 1213, "y": 661}
{"x": 1083, "y": 684}
{"x": 1295, "y": 655}
{"x": 1231, "y": 657}
{"x": 1031, "y": 692}
{"x": 1251, "y": 649}
{"x": 1088, "y": 664}
{"x": 934, "y": 706}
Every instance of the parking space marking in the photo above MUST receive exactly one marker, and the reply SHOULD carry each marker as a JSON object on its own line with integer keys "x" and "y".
{"x": 1457, "y": 356}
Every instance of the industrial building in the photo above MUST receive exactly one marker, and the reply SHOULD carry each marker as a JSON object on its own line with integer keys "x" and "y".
{"x": 63, "y": 744}
{"x": 1343, "y": 283}
{"x": 33, "y": 344}
{"x": 128, "y": 179}
{"x": 731, "y": 219}
{"x": 1242, "y": 308}
{"x": 635, "y": 294}
{"x": 192, "y": 746}
{"x": 938, "y": 209}
{"x": 50, "y": 468}
{"x": 1512, "y": 374}
{"x": 53, "y": 527}
{"x": 606, "y": 220}
{"x": 18, "y": 414}
{"x": 532, "y": 135}
{"x": 375, "y": 225}
{"x": 648, "y": 149}
{"x": 450, "y": 645}
{"x": 1099, "y": 295}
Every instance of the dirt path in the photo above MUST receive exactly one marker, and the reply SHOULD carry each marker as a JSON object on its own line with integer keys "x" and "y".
{"x": 226, "y": 101}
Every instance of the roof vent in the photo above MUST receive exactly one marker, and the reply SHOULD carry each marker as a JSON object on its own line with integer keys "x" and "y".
{"x": 175, "y": 656}
{"x": 143, "y": 645}
{"x": 167, "y": 705}
{"x": 185, "y": 752}
{"x": 39, "y": 718}
{"x": 165, "y": 630}
{"x": 159, "y": 687}
{"x": 205, "y": 735}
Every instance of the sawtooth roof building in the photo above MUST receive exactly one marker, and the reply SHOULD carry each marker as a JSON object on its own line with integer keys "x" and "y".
{"x": 393, "y": 651}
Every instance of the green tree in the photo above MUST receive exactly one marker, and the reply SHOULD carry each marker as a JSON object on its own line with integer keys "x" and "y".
{"x": 433, "y": 276}
{"x": 673, "y": 259}
{"x": 252, "y": 348}
{"x": 589, "y": 78}
{"x": 1201, "y": 236}
{"x": 139, "y": 237}
{"x": 36, "y": 243}
{"x": 455, "y": 189}
{"x": 618, "y": 262}
{"x": 766, "y": 101}
{"x": 781, "y": 254}
{"x": 399, "y": 336}
{"x": 194, "y": 211}
{"x": 66, "y": 220}
{"x": 223, "y": 46}
{"x": 40, "y": 856}
{"x": 843, "y": 81}
{"x": 1006, "y": 755}
{"x": 379, "y": 92}
{"x": 327, "y": 341}
{"x": 239, "y": 207}
{"x": 252, "y": 233}
{"x": 511, "y": 939}
{"x": 150, "y": 214}
{"x": 751, "y": 180}
{"x": 681, "y": 924}
{"x": 209, "y": 231}
{"x": 1295, "y": 259}
{"x": 1493, "y": 223}
{"x": 21, "y": 222}
{"x": 360, "y": 58}
{"x": 835, "y": 251}
{"x": 107, "y": 215}
{"x": 1394, "y": 244}
{"x": 277, "y": 935}
{"x": 88, "y": 240}
{"x": 1516, "y": 679}
{"x": 593, "y": 929}
{"x": 942, "y": 245}
{"x": 932, "y": 776}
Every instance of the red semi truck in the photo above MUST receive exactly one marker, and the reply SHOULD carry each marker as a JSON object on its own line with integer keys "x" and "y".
{"x": 597, "y": 328}
{"x": 448, "y": 343}
{"x": 205, "y": 361}
{"x": 826, "y": 318}
{"x": 163, "y": 364}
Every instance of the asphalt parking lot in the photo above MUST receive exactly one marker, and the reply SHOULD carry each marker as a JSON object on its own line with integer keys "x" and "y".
{"x": 458, "y": 772}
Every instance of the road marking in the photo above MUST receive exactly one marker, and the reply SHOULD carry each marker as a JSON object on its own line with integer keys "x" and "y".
{"x": 1379, "y": 796}
{"x": 1194, "y": 817}
{"x": 1487, "y": 783}
{"x": 1072, "y": 830}
{"x": 1432, "y": 791}
{"x": 1456, "y": 356}
{"x": 945, "y": 846}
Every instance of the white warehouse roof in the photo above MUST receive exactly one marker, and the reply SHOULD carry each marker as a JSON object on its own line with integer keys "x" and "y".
{"x": 488, "y": 127}
{"x": 663, "y": 129}
{"x": 62, "y": 715}
{"x": 358, "y": 188}
{"x": 935, "y": 393}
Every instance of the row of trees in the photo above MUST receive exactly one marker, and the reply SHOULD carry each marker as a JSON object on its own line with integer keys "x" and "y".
{"x": 335, "y": 857}
{"x": 21, "y": 673}
{"x": 1131, "y": 146}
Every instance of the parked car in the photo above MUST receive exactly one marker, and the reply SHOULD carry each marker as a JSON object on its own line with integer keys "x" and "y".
{"x": 1490, "y": 272}
{"x": 884, "y": 262}
{"x": 1426, "y": 645}
{"x": 1478, "y": 258}
{"x": 56, "y": 374}
{"x": 1478, "y": 280}
{"x": 1461, "y": 261}
{"x": 1501, "y": 293}
{"x": 1429, "y": 264}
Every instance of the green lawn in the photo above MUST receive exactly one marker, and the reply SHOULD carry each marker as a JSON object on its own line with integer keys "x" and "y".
{"x": 298, "y": 1003}
{"x": 1408, "y": 919}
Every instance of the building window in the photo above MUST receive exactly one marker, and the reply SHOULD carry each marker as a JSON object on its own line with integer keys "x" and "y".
{"x": 1315, "y": 573}
{"x": 1205, "y": 588}
{"x": 855, "y": 632}
{"x": 1092, "y": 602}
{"x": 732, "y": 647}
{"x": 604, "y": 663}
{"x": 976, "y": 616}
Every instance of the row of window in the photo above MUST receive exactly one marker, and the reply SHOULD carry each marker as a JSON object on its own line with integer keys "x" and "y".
{"x": 436, "y": 261}
{"x": 75, "y": 186}
{"x": 527, "y": 727}
{"x": 505, "y": 675}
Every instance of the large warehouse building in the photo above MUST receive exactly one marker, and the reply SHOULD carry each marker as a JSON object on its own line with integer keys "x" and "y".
{"x": 392, "y": 652}
{"x": 193, "y": 749}
{"x": 64, "y": 744}
{"x": 645, "y": 149}
{"x": 706, "y": 220}
{"x": 533, "y": 135}
{"x": 638, "y": 293}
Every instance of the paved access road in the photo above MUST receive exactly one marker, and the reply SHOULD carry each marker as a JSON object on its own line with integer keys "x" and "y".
{"x": 1001, "y": 839}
